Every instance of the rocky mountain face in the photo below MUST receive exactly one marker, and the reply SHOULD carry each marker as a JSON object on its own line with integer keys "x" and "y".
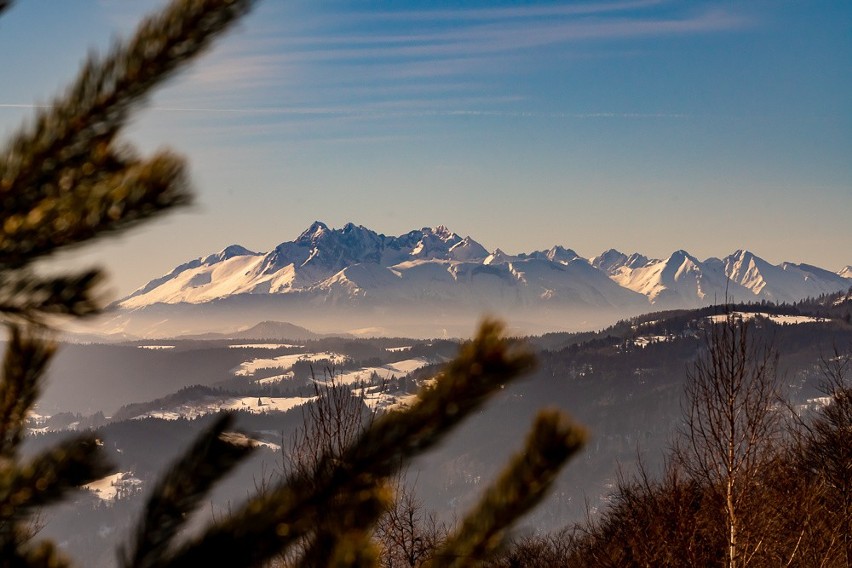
{"x": 435, "y": 274}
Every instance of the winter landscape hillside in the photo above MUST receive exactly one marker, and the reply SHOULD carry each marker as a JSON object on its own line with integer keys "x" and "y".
{"x": 147, "y": 399}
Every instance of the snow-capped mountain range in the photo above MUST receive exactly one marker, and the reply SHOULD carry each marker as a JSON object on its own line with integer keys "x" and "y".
{"x": 435, "y": 273}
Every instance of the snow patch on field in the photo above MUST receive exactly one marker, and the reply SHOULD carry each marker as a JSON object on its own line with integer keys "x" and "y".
{"x": 285, "y": 362}
{"x": 109, "y": 487}
{"x": 401, "y": 402}
{"x": 646, "y": 340}
{"x": 264, "y": 346}
{"x": 398, "y": 369}
{"x": 259, "y": 405}
{"x": 276, "y": 378}
{"x": 253, "y": 404}
{"x": 783, "y": 320}
{"x": 272, "y": 446}
{"x": 156, "y": 347}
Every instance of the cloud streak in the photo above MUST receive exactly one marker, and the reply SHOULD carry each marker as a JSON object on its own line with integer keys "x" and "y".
{"x": 483, "y": 14}
{"x": 413, "y": 113}
{"x": 346, "y": 56}
{"x": 503, "y": 36}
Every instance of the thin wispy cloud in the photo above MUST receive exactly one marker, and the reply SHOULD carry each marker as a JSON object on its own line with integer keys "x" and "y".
{"x": 415, "y": 112}
{"x": 512, "y": 12}
{"x": 344, "y": 56}
{"x": 386, "y": 69}
{"x": 503, "y": 36}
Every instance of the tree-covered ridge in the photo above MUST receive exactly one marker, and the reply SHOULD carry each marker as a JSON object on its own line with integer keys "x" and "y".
{"x": 834, "y": 309}
{"x": 65, "y": 179}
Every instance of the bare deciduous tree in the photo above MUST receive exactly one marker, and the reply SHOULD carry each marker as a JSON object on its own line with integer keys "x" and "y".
{"x": 731, "y": 428}
{"x": 330, "y": 424}
{"x": 408, "y": 534}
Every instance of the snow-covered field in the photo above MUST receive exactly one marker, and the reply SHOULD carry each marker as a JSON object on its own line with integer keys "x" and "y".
{"x": 276, "y": 378}
{"x": 108, "y": 488}
{"x": 209, "y": 405}
{"x": 374, "y": 394}
{"x": 783, "y": 320}
{"x": 645, "y": 340}
{"x": 264, "y": 346}
{"x": 398, "y": 369}
{"x": 285, "y": 362}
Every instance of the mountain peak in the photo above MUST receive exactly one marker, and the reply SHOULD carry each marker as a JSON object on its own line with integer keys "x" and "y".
{"x": 468, "y": 249}
{"x": 636, "y": 260}
{"x": 742, "y": 254}
{"x": 435, "y": 243}
{"x": 609, "y": 260}
{"x": 442, "y": 231}
{"x": 498, "y": 257}
{"x": 679, "y": 256}
{"x": 559, "y": 253}
{"x": 742, "y": 263}
{"x": 313, "y": 232}
{"x": 228, "y": 252}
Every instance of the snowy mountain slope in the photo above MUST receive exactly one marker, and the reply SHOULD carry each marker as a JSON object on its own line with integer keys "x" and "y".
{"x": 199, "y": 282}
{"x": 609, "y": 261}
{"x": 680, "y": 280}
{"x": 575, "y": 281}
{"x": 318, "y": 255}
{"x": 612, "y": 260}
{"x": 683, "y": 280}
{"x": 184, "y": 274}
{"x": 434, "y": 271}
{"x": 786, "y": 282}
{"x": 819, "y": 277}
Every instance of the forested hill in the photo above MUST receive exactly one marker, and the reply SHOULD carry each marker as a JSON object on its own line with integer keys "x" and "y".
{"x": 834, "y": 309}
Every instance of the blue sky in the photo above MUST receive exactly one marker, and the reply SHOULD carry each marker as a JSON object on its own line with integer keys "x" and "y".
{"x": 642, "y": 125}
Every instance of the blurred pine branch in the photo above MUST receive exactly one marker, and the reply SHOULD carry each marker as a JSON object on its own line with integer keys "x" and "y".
{"x": 66, "y": 179}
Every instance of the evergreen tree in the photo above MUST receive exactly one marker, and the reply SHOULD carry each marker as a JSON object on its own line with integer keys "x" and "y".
{"x": 66, "y": 179}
